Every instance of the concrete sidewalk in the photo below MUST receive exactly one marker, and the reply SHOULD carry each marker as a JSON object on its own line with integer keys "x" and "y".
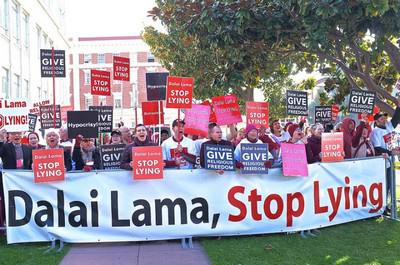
{"x": 143, "y": 253}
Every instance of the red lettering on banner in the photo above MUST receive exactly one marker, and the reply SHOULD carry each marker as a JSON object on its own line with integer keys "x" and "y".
{"x": 48, "y": 165}
{"x": 290, "y": 211}
{"x": 374, "y": 201}
{"x": 254, "y": 198}
{"x": 335, "y": 201}
{"x": 100, "y": 83}
{"x": 279, "y": 206}
{"x": 317, "y": 206}
{"x": 237, "y": 203}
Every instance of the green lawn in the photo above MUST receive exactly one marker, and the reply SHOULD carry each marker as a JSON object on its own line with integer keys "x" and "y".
{"x": 28, "y": 254}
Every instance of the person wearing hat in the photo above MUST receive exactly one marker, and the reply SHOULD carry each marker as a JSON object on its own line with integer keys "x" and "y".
{"x": 85, "y": 154}
{"x": 141, "y": 138}
{"x": 116, "y": 137}
{"x": 348, "y": 129}
{"x": 178, "y": 154}
{"x": 313, "y": 146}
{"x": 362, "y": 146}
{"x": 251, "y": 138}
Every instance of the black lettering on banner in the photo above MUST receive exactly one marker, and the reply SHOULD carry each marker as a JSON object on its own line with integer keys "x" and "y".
{"x": 361, "y": 101}
{"x": 81, "y": 212}
{"x": 145, "y": 211}
{"x": 171, "y": 210}
{"x": 323, "y": 114}
{"x": 296, "y": 103}
{"x": 46, "y": 63}
{"x": 48, "y": 212}
{"x": 116, "y": 222}
{"x": 12, "y": 210}
{"x": 156, "y": 86}
{"x": 105, "y": 121}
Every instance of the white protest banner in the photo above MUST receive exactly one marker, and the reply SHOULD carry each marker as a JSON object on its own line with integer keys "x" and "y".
{"x": 107, "y": 206}
{"x": 14, "y": 115}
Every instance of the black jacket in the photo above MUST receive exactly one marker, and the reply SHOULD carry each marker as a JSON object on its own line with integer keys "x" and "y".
{"x": 8, "y": 155}
{"x": 203, "y": 149}
{"x": 79, "y": 164}
{"x": 127, "y": 154}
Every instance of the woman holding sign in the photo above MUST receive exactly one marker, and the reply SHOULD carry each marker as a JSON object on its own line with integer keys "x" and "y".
{"x": 251, "y": 138}
{"x": 52, "y": 141}
{"x": 141, "y": 139}
{"x": 85, "y": 154}
{"x": 314, "y": 144}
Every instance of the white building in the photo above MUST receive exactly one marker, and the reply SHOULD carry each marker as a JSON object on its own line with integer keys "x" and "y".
{"x": 26, "y": 26}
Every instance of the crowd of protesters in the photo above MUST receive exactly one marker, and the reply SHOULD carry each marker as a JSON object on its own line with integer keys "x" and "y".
{"x": 182, "y": 151}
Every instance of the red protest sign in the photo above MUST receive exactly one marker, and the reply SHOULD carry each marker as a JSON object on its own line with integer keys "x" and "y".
{"x": 100, "y": 83}
{"x": 151, "y": 113}
{"x": 179, "y": 92}
{"x": 257, "y": 113}
{"x": 227, "y": 109}
{"x": 332, "y": 147}
{"x": 121, "y": 67}
{"x": 147, "y": 162}
{"x": 48, "y": 165}
{"x": 196, "y": 120}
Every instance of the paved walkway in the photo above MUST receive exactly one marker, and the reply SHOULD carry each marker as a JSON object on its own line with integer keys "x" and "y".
{"x": 143, "y": 253}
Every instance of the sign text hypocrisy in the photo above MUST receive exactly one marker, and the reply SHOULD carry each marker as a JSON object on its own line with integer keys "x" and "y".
{"x": 110, "y": 206}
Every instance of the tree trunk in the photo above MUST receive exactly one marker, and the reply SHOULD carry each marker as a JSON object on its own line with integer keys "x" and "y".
{"x": 394, "y": 54}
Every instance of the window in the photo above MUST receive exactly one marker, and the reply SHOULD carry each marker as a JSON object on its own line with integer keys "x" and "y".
{"x": 86, "y": 74}
{"x": 101, "y": 58}
{"x": 38, "y": 40}
{"x": 45, "y": 43}
{"x": 87, "y": 58}
{"x": 150, "y": 57}
{"x": 17, "y": 86}
{"x": 117, "y": 100}
{"x": 15, "y": 22}
{"x": 133, "y": 96}
{"x": 25, "y": 29}
{"x": 5, "y": 82}
{"x": 4, "y": 15}
{"x": 25, "y": 89}
{"x": 88, "y": 101}
{"x": 39, "y": 92}
{"x": 102, "y": 101}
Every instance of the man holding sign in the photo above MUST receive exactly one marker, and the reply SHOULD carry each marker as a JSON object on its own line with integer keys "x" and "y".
{"x": 179, "y": 153}
{"x": 215, "y": 134}
{"x": 14, "y": 154}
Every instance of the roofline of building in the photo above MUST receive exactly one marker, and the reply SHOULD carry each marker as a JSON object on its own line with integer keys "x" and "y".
{"x": 109, "y": 38}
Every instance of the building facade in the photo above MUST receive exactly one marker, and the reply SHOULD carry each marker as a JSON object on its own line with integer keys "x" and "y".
{"x": 97, "y": 53}
{"x": 26, "y": 26}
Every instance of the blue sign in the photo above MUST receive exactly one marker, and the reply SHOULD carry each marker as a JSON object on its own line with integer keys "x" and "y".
{"x": 253, "y": 157}
{"x": 219, "y": 157}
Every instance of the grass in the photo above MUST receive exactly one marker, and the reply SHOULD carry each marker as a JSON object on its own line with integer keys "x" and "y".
{"x": 366, "y": 242}
{"x": 28, "y": 254}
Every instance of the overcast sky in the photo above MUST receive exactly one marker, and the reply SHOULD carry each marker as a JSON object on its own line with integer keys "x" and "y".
{"x": 89, "y": 18}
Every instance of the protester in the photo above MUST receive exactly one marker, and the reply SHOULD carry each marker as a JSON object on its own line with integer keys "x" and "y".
{"x": 126, "y": 135}
{"x": 164, "y": 135}
{"x": 179, "y": 155}
{"x": 296, "y": 134}
{"x": 348, "y": 129}
{"x": 106, "y": 139}
{"x": 215, "y": 136}
{"x": 141, "y": 139}
{"x": 33, "y": 139}
{"x": 362, "y": 146}
{"x": 85, "y": 154}
{"x": 116, "y": 137}
{"x": 14, "y": 154}
{"x": 240, "y": 135}
{"x": 338, "y": 127}
{"x": 251, "y": 138}
{"x": 381, "y": 137}
{"x": 64, "y": 140}
{"x": 52, "y": 141}
{"x": 313, "y": 147}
